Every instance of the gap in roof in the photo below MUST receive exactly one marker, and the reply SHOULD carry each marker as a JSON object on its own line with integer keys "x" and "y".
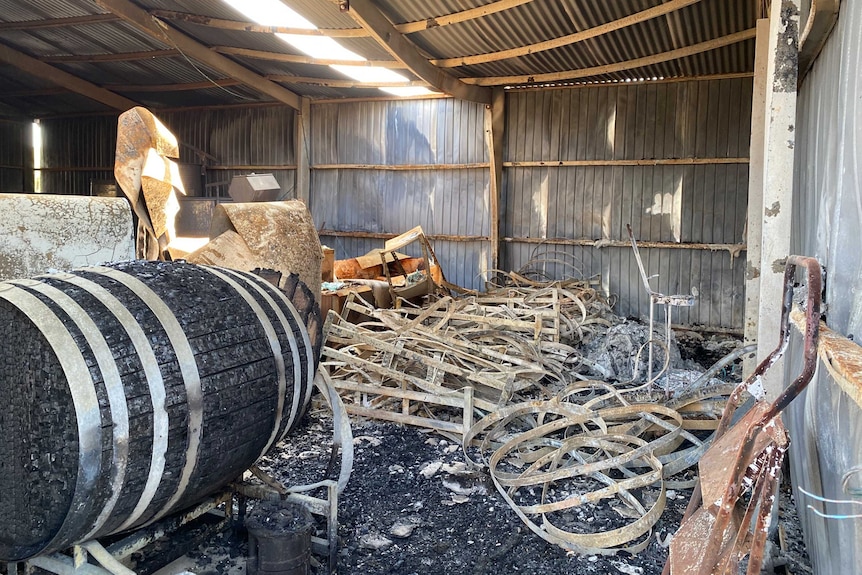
{"x": 276, "y": 13}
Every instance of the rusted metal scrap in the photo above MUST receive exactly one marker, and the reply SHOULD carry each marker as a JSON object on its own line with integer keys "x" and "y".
{"x": 148, "y": 178}
{"x": 739, "y": 473}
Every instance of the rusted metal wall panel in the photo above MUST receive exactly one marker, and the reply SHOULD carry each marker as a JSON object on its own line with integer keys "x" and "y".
{"x": 826, "y": 423}
{"x": 694, "y": 203}
{"x": 413, "y": 132}
{"x": 15, "y": 165}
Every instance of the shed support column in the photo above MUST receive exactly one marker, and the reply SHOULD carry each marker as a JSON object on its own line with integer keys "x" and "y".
{"x": 302, "y": 149}
{"x": 754, "y": 227}
{"x": 779, "y": 142}
{"x": 495, "y": 123}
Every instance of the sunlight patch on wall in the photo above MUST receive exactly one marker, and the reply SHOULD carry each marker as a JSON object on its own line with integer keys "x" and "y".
{"x": 670, "y": 205}
{"x": 37, "y": 157}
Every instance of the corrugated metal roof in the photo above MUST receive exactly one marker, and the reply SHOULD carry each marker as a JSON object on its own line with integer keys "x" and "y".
{"x": 523, "y": 25}
{"x": 20, "y": 11}
{"x": 539, "y": 21}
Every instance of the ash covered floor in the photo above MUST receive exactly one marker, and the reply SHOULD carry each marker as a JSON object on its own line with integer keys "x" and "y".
{"x": 405, "y": 512}
{"x": 413, "y": 504}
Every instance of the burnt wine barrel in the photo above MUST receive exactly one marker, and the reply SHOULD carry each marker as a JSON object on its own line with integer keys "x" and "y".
{"x": 132, "y": 391}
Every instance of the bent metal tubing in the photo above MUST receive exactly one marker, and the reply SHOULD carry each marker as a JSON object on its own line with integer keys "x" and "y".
{"x": 814, "y": 282}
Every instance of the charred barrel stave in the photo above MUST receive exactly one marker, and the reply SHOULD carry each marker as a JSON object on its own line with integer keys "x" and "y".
{"x": 192, "y": 373}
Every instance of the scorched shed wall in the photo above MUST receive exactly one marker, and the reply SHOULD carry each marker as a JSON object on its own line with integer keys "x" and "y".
{"x": 692, "y": 141}
{"x": 76, "y": 153}
{"x": 240, "y": 141}
{"x": 385, "y": 167}
{"x": 15, "y": 157}
{"x": 230, "y": 141}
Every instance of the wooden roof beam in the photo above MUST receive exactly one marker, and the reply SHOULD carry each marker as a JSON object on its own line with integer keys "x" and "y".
{"x": 457, "y": 17}
{"x": 34, "y": 93}
{"x": 63, "y": 79}
{"x": 372, "y": 19}
{"x": 297, "y": 59}
{"x": 170, "y": 36}
{"x": 226, "y": 82}
{"x": 120, "y": 57}
{"x": 335, "y": 83}
{"x": 617, "y": 66}
{"x": 405, "y": 28}
{"x": 58, "y": 22}
{"x": 821, "y": 18}
{"x": 251, "y": 27}
{"x": 189, "y": 86}
{"x": 569, "y": 39}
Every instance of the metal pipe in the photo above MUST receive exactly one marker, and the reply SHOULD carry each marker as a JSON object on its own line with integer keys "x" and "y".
{"x": 107, "y": 560}
{"x": 62, "y": 565}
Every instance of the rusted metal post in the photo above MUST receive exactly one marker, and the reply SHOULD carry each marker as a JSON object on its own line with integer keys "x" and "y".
{"x": 758, "y": 437}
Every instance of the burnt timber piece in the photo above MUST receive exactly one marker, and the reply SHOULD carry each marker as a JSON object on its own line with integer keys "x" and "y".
{"x": 134, "y": 390}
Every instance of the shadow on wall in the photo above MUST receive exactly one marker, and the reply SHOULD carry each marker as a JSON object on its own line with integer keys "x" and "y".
{"x": 411, "y": 193}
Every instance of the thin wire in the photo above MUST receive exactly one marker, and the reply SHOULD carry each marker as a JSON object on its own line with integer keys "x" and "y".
{"x": 854, "y": 491}
{"x": 830, "y": 516}
{"x": 827, "y": 500}
{"x": 202, "y": 73}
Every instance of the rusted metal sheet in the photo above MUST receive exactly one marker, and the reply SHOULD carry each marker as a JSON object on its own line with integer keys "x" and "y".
{"x": 740, "y": 471}
{"x": 142, "y": 164}
{"x": 273, "y": 235}
{"x": 42, "y": 232}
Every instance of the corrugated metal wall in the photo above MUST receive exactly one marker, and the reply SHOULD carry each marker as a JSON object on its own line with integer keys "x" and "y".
{"x": 15, "y": 164}
{"x": 366, "y": 178}
{"x": 77, "y": 153}
{"x": 450, "y": 202}
{"x": 601, "y": 127}
{"x": 826, "y": 423}
{"x": 239, "y": 141}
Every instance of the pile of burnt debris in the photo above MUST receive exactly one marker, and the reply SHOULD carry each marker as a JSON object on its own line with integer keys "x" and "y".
{"x": 520, "y": 429}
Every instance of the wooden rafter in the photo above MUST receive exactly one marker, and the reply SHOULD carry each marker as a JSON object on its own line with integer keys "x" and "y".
{"x": 188, "y": 86}
{"x": 455, "y": 18}
{"x": 251, "y": 27}
{"x": 119, "y": 57}
{"x": 227, "y": 82}
{"x": 58, "y": 22}
{"x": 405, "y": 28}
{"x": 296, "y": 59}
{"x": 63, "y": 79}
{"x": 569, "y": 39}
{"x": 34, "y": 93}
{"x": 372, "y": 19}
{"x": 190, "y": 47}
{"x": 617, "y": 66}
{"x": 334, "y": 83}
{"x": 821, "y": 18}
